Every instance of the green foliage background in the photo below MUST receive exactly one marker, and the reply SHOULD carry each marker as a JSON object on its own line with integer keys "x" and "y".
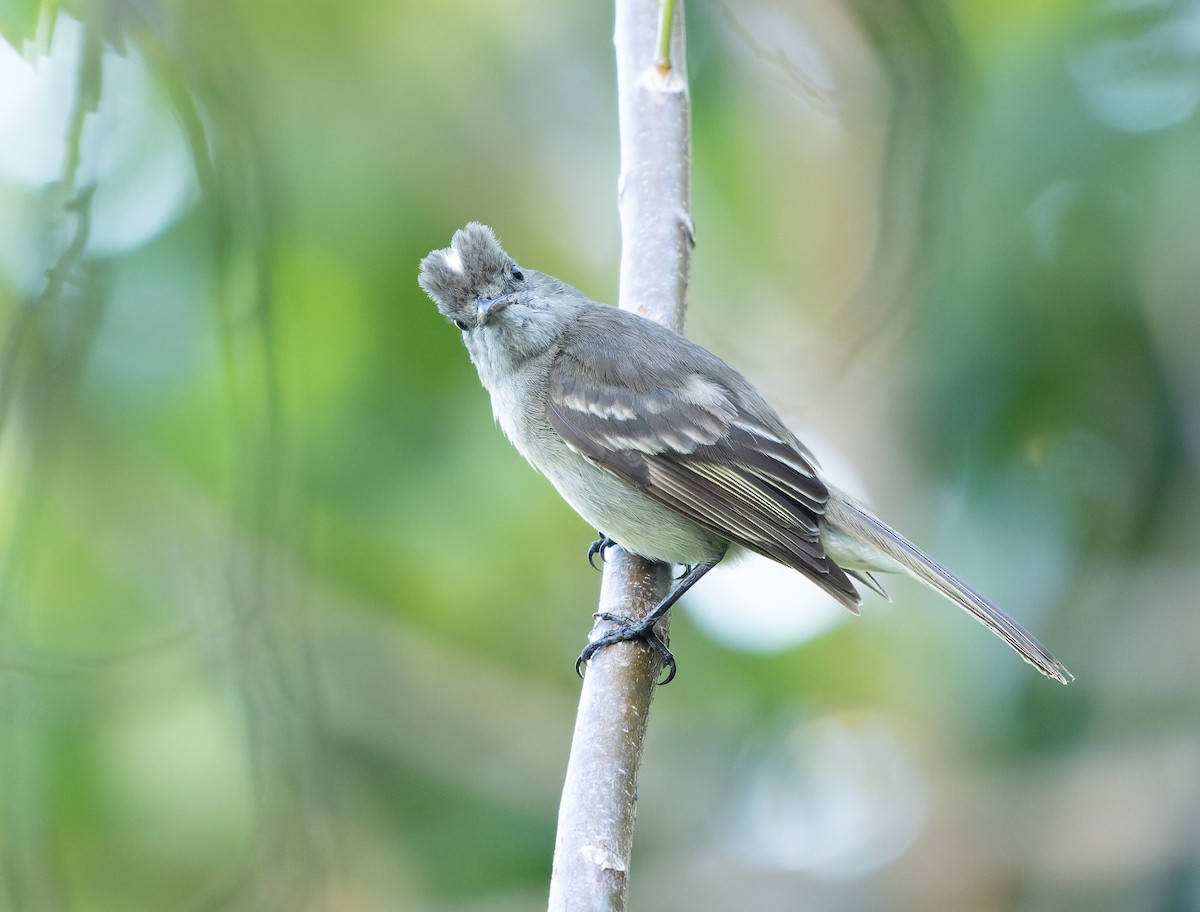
{"x": 285, "y": 623}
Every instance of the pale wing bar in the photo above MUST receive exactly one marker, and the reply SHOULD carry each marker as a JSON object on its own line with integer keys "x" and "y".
{"x": 696, "y": 452}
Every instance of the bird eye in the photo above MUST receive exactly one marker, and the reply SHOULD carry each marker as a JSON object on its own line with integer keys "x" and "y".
{"x": 517, "y": 274}
{"x": 462, "y": 324}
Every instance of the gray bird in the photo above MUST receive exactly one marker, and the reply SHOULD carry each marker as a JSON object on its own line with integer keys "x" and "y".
{"x": 663, "y": 447}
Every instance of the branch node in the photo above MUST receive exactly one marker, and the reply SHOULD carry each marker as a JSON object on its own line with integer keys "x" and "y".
{"x": 603, "y": 857}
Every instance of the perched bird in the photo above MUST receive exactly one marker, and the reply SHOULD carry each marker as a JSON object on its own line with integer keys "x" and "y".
{"x": 663, "y": 447}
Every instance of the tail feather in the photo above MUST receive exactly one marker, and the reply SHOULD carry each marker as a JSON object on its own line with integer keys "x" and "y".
{"x": 855, "y": 536}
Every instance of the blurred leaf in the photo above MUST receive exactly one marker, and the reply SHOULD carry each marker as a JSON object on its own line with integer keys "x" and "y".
{"x": 19, "y": 20}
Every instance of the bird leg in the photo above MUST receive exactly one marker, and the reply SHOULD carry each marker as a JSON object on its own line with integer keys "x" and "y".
{"x": 643, "y": 628}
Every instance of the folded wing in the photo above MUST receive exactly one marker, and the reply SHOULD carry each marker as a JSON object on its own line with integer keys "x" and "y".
{"x": 691, "y": 444}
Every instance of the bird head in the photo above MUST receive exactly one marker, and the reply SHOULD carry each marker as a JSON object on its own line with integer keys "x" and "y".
{"x": 473, "y": 280}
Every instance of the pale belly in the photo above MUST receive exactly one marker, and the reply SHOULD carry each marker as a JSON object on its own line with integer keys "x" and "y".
{"x": 634, "y": 521}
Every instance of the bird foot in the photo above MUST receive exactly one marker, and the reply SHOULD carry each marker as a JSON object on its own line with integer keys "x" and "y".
{"x": 599, "y": 546}
{"x": 626, "y": 630}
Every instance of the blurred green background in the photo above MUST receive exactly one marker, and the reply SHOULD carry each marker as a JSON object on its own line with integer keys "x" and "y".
{"x": 286, "y": 624}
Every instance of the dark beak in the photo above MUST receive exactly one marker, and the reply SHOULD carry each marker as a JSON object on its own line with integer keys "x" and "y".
{"x": 486, "y": 308}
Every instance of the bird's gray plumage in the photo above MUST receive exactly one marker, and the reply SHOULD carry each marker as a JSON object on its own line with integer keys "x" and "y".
{"x": 660, "y": 444}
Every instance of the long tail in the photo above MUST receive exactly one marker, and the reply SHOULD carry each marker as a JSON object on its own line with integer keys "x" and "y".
{"x": 854, "y": 536}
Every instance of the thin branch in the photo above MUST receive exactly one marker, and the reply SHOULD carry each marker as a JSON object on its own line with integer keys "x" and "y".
{"x": 20, "y": 339}
{"x": 599, "y": 804}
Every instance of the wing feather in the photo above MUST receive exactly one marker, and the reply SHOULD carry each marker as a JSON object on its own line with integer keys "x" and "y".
{"x": 697, "y": 447}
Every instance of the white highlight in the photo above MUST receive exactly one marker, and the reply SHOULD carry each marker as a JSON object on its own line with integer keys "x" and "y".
{"x": 836, "y": 798}
{"x": 753, "y": 604}
{"x": 454, "y": 261}
{"x": 132, "y": 148}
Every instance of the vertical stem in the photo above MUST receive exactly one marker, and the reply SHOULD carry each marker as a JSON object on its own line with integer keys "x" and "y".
{"x": 666, "y": 17}
{"x": 599, "y": 803}
{"x": 654, "y": 190}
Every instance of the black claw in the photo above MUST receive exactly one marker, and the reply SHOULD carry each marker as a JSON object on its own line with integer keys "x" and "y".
{"x": 629, "y": 630}
{"x": 599, "y": 546}
{"x": 664, "y": 656}
{"x": 643, "y": 629}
